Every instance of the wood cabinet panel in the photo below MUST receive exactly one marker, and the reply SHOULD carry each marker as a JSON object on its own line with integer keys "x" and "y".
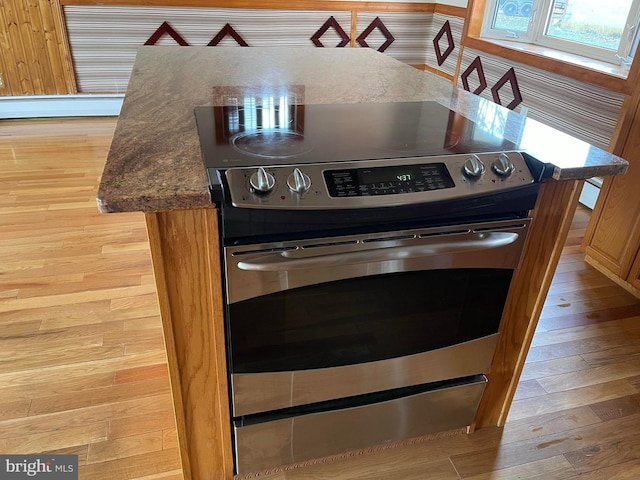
{"x": 612, "y": 240}
{"x": 634, "y": 278}
{"x": 185, "y": 253}
{"x": 615, "y": 240}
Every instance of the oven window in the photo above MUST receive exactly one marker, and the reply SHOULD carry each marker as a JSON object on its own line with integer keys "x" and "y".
{"x": 365, "y": 319}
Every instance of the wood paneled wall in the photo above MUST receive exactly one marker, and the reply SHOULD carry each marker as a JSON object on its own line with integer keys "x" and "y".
{"x": 35, "y": 58}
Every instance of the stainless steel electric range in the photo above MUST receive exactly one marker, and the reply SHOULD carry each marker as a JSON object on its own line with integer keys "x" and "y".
{"x": 368, "y": 252}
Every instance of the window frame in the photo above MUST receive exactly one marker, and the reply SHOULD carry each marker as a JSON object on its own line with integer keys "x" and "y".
{"x": 539, "y": 19}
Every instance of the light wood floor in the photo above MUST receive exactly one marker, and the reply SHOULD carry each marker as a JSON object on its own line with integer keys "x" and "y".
{"x": 82, "y": 363}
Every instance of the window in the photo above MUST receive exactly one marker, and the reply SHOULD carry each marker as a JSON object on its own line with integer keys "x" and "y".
{"x": 601, "y": 29}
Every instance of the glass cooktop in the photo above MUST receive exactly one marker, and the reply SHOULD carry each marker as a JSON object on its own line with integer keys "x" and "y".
{"x": 269, "y": 130}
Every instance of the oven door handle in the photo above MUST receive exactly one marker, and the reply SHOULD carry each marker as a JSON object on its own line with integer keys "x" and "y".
{"x": 274, "y": 262}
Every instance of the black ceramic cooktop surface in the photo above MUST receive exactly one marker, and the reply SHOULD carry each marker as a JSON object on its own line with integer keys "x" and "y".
{"x": 270, "y": 131}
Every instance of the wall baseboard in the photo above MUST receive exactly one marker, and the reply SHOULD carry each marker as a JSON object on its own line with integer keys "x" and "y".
{"x": 45, "y": 106}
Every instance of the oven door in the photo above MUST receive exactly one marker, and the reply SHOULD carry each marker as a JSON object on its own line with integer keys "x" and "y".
{"x": 315, "y": 320}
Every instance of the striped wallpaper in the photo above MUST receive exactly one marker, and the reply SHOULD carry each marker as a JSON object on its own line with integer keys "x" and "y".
{"x": 104, "y": 39}
{"x": 580, "y": 109}
{"x": 409, "y": 29}
{"x": 414, "y": 34}
{"x": 456, "y": 24}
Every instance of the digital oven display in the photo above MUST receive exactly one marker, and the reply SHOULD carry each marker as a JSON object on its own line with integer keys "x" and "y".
{"x": 358, "y": 182}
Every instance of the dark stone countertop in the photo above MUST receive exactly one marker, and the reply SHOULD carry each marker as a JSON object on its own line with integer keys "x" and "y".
{"x": 155, "y": 162}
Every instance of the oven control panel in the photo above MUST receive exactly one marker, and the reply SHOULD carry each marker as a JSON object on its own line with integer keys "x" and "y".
{"x": 388, "y": 180}
{"x": 375, "y": 183}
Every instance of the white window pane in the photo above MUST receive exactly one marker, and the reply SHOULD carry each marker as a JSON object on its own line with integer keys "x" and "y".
{"x": 512, "y": 15}
{"x": 599, "y": 23}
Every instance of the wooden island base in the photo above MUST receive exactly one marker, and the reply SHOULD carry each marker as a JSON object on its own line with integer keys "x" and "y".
{"x": 186, "y": 263}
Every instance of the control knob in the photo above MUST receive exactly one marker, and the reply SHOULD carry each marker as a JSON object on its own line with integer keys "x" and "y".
{"x": 503, "y": 166}
{"x": 298, "y": 181}
{"x": 473, "y": 167}
{"x": 262, "y": 181}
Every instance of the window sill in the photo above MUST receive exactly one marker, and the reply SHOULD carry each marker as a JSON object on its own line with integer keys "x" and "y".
{"x": 569, "y": 65}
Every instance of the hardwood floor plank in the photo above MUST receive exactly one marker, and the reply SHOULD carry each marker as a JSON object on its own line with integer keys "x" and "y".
{"x": 169, "y": 438}
{"x": 67, "y": 316}
{"x": 21, "y": 279}
{"x": 142, "y": 323}
{"x": 606, "y": 454}
{"x": 79, "y": 450}
{"x": 583, "y": 346}
{"x": 15, "y": 329}
{"x": 162, "y": 420}
{"x": 581, "y": 279}
{"x": 618, "y": 407}
{"x": 94, "y": 414}
{"x": 172, "y": 475}
{"x": 591, "y": 317}
{"x": 623, "y": 354}
{"x": 46, "y": 388}
{"x": 548, "y": 424}
{"x": 128, "y": 247}
{"x": 102, "y": 283}
{"x": 20, "y": 347}
{"x": 93, "y": 366}
{"x": 140, "y": 300}
{"x": 572, "y": 267}
{"x": 135, "y": 466}
{"x": 136, "y": 341}
{"x": 528, "y": 389}
{"x": 141, "y": 373}
{"x": 625, "y": 326}
{"x": 527, "y": 451}
{"x": 556, "y": 366}
{"x": 622, "y": 471}
{"x": 10, "y": 408}
{"x": 556, "y": 468}
{"x": 97, "y": 396}
{"x": 154, "y": 343}
{"x": 9, "y": 293}
{"x": 145, "y": 312}
{"x": 576, "y": 302}
{"x": 565, "y": 400}
{"x": 592, "y": 376}
{"x": 121, "y": 448}
{"x": 7, "y": 305}
{"x": 62, "y": 438}
{"x": 60, "y": 357}
{"x": 635, "y": 381}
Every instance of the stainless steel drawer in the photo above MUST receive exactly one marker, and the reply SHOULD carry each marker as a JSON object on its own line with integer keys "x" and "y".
{"x": 302, "y": 437}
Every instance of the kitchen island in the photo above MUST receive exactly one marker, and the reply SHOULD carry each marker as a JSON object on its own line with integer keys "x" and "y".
{"x": 155, "y": 166}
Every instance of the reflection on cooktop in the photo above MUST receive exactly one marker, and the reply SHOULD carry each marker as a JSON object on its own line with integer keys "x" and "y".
{"x": 273, "y": 130}
{"x": 271, "y": 143}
